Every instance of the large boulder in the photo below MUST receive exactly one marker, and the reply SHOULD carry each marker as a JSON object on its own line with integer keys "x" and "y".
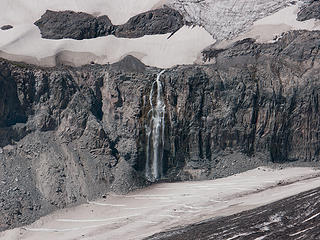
{"x": 80, "y": 25}
{"x": 75, "y": 25}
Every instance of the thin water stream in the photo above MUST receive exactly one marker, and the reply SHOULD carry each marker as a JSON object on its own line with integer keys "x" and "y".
{"x": 155, "y": 132}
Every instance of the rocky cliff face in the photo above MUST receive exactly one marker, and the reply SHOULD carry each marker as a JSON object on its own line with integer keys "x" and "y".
{"x": 55, "y": 148}
{"x": 310, "y": 10}
{"x": 72, "y": 134}
{"x": 79, "y": 25}
{"x": 255, "y": 99}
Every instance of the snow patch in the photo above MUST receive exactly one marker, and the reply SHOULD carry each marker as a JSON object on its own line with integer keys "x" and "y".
{"x": 189, "y": 202}
{"x": 24, "y": 43}
{"x": 269, "y": 29}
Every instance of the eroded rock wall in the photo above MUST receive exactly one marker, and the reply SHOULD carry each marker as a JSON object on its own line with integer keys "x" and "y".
{"x": 72, "y": 134}
{"x": 55, "y": 149}
{"x": 257, "y": 99}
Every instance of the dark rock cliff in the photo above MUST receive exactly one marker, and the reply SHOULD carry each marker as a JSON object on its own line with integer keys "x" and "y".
{"x": 55, "y": 149}
{"x": 69, "y": 24}
{"x": 72, "y": 134}
{"x": 159, "y": 21}
{"x": 310, "y": 10}
{"x": 79, "y": 25}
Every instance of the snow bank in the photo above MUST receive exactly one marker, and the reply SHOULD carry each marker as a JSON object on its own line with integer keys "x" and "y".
{"x": 269, "y": 28}
{"x": 156, "y": 50}
{"x": 266, "y": 29}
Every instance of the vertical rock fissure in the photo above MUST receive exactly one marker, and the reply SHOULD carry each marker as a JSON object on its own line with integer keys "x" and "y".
{"x": 155, "y": 132}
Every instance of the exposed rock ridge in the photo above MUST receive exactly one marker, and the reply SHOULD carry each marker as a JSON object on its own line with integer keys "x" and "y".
{"x": 54, "y": 148}
{"x": 309, "y": 10}
{"x": 79, "y": 25}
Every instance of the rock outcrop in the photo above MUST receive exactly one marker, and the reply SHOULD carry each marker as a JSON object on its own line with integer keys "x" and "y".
{"x": 129, "y": 64}
{"x": 72, "y": 134}
{"x": 6, "y": 27}
{"x": 159, "y": 21}
{"x": 226, "y": 19}
{"x": 79, "y": 25}
{"x": 310, "y": 10}
{"x": 54, "y": 148}
{"x": 75, "y": 25}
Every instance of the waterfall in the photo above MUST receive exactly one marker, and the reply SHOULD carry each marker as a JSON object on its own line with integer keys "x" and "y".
{"x": 155, "y": 132}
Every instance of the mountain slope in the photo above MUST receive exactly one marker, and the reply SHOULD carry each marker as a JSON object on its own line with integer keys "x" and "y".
{"x": 68, "y": 134}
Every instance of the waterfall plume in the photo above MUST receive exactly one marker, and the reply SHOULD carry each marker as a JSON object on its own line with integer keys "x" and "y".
{"x": 155, "y": 132}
